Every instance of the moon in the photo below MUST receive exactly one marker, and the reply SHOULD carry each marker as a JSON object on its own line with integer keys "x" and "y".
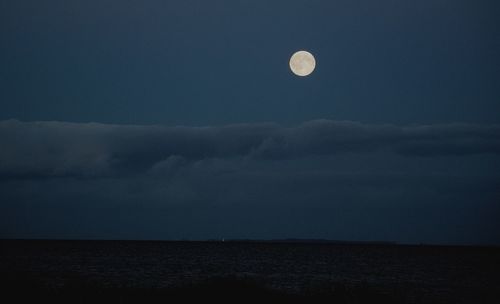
{"x": 302, "y": 63}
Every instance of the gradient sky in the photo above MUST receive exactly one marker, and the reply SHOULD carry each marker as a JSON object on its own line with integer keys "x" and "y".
{"x": 395, "y": 136}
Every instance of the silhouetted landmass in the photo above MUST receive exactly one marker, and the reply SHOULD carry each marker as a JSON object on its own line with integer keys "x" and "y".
{"x": 311, "y": 241}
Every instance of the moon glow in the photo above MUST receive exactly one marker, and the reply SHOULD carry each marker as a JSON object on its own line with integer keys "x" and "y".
{"x": 302, "y": 63}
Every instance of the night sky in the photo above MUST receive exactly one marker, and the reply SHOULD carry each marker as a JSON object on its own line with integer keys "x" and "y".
{"x": 149, "y": 119}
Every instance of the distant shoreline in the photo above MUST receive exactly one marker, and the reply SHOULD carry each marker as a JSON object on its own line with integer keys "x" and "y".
{"x": 257, "y": 241}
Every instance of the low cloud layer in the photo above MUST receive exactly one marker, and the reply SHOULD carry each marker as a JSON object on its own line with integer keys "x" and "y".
{"x": 52, "y": 149}
{"x": 320, "y": 179}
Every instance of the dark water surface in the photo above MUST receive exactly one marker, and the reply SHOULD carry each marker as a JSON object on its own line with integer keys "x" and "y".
{"x": 419, "y": 273}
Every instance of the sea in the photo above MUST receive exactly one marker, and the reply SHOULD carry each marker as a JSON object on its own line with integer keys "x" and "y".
{"x": 421, "y": 273}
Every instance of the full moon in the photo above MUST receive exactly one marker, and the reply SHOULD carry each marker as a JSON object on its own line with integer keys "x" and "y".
{"x": 302, "y": 63}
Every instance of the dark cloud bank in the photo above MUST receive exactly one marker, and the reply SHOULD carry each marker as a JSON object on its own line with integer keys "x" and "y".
{"x": 320, "y": 179}
{"x": 39, "y": 149}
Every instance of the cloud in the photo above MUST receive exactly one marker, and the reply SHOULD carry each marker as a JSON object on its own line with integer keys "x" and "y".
{"x": 327, "y": 179}
{"x": 53, "y": 149}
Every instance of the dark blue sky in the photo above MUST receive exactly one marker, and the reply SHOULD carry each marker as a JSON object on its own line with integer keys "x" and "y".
{"x": 216, "y": 62}
{"x": 395, "y": 136}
